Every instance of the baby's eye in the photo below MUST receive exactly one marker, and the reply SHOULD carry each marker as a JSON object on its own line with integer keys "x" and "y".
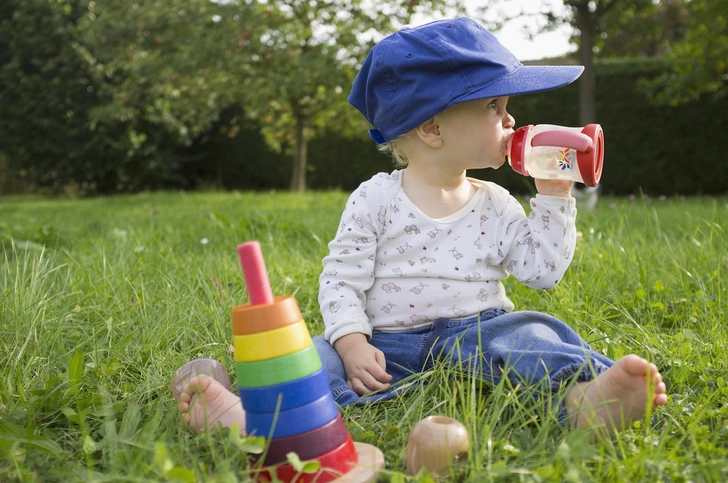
{"x": 493, "y": 104}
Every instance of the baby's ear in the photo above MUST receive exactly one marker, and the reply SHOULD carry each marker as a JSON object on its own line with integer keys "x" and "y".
{"x": 429, "y": 133}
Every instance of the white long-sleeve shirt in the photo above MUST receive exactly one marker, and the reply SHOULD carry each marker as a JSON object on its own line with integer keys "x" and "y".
{"x": 393, "y": 268}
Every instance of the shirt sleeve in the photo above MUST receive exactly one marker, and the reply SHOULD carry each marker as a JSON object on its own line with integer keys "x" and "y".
{"x": 539, "y": 248}
{"x": 348, "y": 270}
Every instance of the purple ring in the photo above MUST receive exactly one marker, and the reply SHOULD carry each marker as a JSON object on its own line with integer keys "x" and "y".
{"x": 308, "y": 445}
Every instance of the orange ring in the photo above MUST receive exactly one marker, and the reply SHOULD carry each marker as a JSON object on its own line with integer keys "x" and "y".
{"x": 249, "y": 319}
{"x": 271, "y": 343}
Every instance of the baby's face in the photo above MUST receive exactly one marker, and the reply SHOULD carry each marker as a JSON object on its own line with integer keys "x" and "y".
{"x": 476, "y": 133}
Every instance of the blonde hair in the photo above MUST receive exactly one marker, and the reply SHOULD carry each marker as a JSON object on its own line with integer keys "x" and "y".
{"x": 394, "y": 148}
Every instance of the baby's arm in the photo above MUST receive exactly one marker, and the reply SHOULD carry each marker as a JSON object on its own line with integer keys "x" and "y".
{"x": 538, "y": 249}
{"x": 364, "y": 364}
{"x": 348, "y": 273}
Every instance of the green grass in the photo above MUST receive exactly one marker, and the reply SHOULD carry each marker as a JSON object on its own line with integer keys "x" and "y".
{"x": 102, "y": 299}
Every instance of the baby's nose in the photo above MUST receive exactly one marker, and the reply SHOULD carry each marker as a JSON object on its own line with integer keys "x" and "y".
{"x": 509, "y": 121}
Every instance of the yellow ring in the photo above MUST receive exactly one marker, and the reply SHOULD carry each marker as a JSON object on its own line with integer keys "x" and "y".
{"x": 272, "y": 343}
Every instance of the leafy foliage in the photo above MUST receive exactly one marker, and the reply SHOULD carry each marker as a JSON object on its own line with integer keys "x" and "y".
{"x": 649, "y": 30}
{"x": 113, "y": 89}
{"x": 700, "y": 59}
{"x": 99, "y": 94}
{"x": 46, "y": 97}
{"x": 164, "y": 72}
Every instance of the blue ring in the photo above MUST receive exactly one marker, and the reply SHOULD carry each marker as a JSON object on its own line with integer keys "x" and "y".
{"x": 293, "y": 394}
{"x": 294, "y": 421}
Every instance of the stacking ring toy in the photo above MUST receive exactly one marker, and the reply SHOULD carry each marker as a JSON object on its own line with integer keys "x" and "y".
{"x": 293, "y": 421}
{"x": 279, "y": 370}
{"x": 285, "y": 391}
{"x": 292, "y": 394}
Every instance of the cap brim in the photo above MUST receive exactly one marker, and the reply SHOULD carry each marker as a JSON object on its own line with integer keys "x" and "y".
{"x": 527, "y": 80}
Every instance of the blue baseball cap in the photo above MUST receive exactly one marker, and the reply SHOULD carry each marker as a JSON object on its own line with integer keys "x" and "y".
{"x": 416, "y": 73}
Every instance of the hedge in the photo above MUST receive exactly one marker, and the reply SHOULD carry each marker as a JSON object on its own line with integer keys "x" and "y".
{"x": 655, "y": 149}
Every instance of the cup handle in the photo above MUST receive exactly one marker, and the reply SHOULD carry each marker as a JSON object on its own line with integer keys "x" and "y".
{"x": 568, "y": 139}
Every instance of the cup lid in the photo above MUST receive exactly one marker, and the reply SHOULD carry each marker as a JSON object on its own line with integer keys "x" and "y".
{"x": 517, "y": 150}
{"x": 590, "y": 161}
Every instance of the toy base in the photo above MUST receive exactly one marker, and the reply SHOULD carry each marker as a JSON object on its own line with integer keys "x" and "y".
{"x": 371, "y": 461}
{"x": 364, "y": 462}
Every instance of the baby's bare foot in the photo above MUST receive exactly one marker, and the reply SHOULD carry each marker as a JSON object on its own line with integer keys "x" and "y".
{"x": 206, "y": 404}
{"x": 617, "y": 397}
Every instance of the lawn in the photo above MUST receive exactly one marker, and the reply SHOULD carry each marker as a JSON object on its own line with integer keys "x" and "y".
{"x": 101, "y": 300}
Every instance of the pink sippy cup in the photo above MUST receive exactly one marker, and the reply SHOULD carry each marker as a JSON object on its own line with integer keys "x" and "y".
{"x": 545, "y": 151}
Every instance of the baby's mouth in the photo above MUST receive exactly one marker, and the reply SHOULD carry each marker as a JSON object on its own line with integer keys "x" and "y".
{"x": 507, "y": 145}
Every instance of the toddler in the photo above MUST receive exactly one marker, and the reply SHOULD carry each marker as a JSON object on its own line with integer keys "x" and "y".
{"x": 415, "y": 271}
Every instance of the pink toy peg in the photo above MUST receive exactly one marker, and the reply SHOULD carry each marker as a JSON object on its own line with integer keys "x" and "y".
{"x": 256, "y": 276}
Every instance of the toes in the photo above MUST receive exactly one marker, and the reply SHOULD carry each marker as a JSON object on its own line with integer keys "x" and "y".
{"x": 656, "y": 380}
{"x": 653, "y": 371}
{"x": 634, "y": 365}
{"x": 202, "y": 382}
{"x": 196, "y": 385}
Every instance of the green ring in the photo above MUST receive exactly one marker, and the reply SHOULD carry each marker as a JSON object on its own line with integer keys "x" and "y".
{"x": 279, "y": 369}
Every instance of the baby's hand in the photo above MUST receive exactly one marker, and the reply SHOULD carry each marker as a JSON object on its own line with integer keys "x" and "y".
{"x": 364, "y": 364}
{"x": 554, "y": 187}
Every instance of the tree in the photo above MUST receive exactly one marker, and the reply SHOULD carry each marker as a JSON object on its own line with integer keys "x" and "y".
{"x": 646, "y": 32}
{"x": 589, "y": 18}
{"x": 308, "y": 53}
{"x": 700, "y": 60}
{"x": 164, "y": 76}
{"x": 101, "y": 94}
{"x": 45, "y": 96}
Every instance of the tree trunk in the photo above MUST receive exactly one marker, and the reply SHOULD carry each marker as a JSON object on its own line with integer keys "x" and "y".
{"x": 587, "y": 82}
{"x": 298, "y": 182}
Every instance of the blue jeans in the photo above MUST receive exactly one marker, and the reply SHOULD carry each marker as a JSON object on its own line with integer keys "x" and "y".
{"x": 530, "y": 347}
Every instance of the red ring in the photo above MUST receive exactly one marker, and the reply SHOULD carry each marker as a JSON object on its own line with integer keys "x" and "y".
{"x": 590, "y": 163}
{"x": 334, "y": 464}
